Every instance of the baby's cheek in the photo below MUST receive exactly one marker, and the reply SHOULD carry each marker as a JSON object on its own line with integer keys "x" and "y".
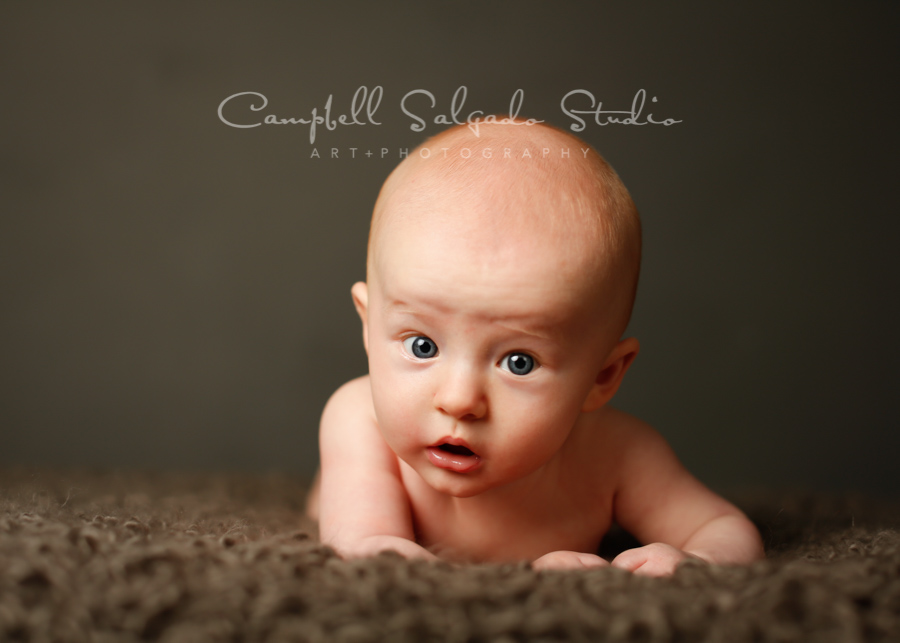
{"x": 536, "y": 431}
{"x": 399, "y": 418}
{"x": 540, "y": 412}
{"x": 395, "y": 422}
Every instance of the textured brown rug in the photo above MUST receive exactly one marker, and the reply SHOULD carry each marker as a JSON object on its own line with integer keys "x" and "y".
{"x": 92, "y": 556}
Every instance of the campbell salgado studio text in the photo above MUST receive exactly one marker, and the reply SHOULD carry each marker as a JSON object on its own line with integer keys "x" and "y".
{"x": 420, "y": 106}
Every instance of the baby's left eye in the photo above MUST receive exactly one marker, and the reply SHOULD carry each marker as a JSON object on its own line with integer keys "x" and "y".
{"x": 518, "y": 363}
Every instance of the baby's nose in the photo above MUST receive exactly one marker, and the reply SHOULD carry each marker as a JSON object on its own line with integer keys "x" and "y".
{"x": 461, "y": 395}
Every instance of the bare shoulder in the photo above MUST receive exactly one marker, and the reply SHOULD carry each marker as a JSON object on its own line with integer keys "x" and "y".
{"x": 638, "y": 448}
{"x": 354, "y": 396}
{"x": 620, "y": 435}
{"x": 348, "y": 433}
{"x": 348, "y": 411}
{"x": 361, "y": 493}
{"x": 603, "y": 447}
{"x": 621, "y": 452}
{"x": 630, "y": 434}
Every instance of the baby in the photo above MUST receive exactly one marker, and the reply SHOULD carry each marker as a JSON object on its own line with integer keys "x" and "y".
{"x": 502, "y": 269}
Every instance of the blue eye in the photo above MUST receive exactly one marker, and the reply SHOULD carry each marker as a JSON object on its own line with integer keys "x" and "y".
{"x": 420, "y": 346}
{"x": 518, "y": 363}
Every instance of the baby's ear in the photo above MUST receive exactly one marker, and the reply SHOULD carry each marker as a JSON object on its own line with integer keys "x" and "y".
{"x": 360, "y": 294}
{"x": 610, "y": 377}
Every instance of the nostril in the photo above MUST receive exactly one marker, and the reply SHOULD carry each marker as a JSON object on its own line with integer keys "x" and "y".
{"x": 467, "y": 404}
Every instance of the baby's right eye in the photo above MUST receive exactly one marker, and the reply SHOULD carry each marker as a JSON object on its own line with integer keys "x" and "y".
{"x": 420, "y": 346}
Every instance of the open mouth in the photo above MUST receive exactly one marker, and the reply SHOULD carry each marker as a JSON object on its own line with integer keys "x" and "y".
{"x": 456, "y": 449}
{"x": 453, "y": 457}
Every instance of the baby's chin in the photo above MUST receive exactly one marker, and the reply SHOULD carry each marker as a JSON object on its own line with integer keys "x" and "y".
{"x": 457, "y": 485}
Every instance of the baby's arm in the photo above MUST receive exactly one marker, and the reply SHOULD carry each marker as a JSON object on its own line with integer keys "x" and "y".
{"x": 659, "y": 502}
{"x": 363, "y": 507}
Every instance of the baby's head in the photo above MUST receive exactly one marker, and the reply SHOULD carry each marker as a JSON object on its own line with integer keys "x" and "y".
{"x": 563, "y": 204}
{"x": 510, "y": 259}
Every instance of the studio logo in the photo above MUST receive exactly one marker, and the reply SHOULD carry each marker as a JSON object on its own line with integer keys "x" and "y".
{"x": 420, "y": 105}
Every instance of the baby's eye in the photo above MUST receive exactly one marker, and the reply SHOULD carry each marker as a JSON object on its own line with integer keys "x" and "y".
{"x": 420, "y": 346}
{"x": 518, "y": 363}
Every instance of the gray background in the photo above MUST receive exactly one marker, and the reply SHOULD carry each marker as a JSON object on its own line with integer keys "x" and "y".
{"x": 175, "y": 291}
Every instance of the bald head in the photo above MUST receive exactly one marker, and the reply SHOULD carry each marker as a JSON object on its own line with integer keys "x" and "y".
{"x": 509, "y": 190}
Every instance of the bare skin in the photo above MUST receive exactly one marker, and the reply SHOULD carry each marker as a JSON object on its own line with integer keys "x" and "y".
{"x": 482, "y": 432}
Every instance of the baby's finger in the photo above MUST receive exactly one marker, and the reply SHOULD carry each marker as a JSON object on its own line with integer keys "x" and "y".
{"x": 656, "y": 559}
{"x": 568, "y": 560}
{"x": 630, "y": 559}
{"x": 591, "y": 560}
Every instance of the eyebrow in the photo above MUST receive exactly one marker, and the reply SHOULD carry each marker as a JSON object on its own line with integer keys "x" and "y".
{"x": 541, "y": 331}
{"x": 400, "y": 306}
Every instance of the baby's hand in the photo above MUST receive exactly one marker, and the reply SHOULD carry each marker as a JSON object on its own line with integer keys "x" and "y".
{"x": 568, "y": 560}
{"x": 656, "y": 559}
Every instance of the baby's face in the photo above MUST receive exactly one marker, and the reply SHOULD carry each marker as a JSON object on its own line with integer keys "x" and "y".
{"x": 484, "y": 341}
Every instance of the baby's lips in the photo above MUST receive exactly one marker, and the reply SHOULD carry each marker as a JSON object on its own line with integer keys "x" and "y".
{"x": 454, "y": 455}
{"x": 456, "y": 446}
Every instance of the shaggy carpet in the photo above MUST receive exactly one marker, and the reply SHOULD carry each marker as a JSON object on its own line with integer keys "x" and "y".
{"x": 111, "y": 556}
